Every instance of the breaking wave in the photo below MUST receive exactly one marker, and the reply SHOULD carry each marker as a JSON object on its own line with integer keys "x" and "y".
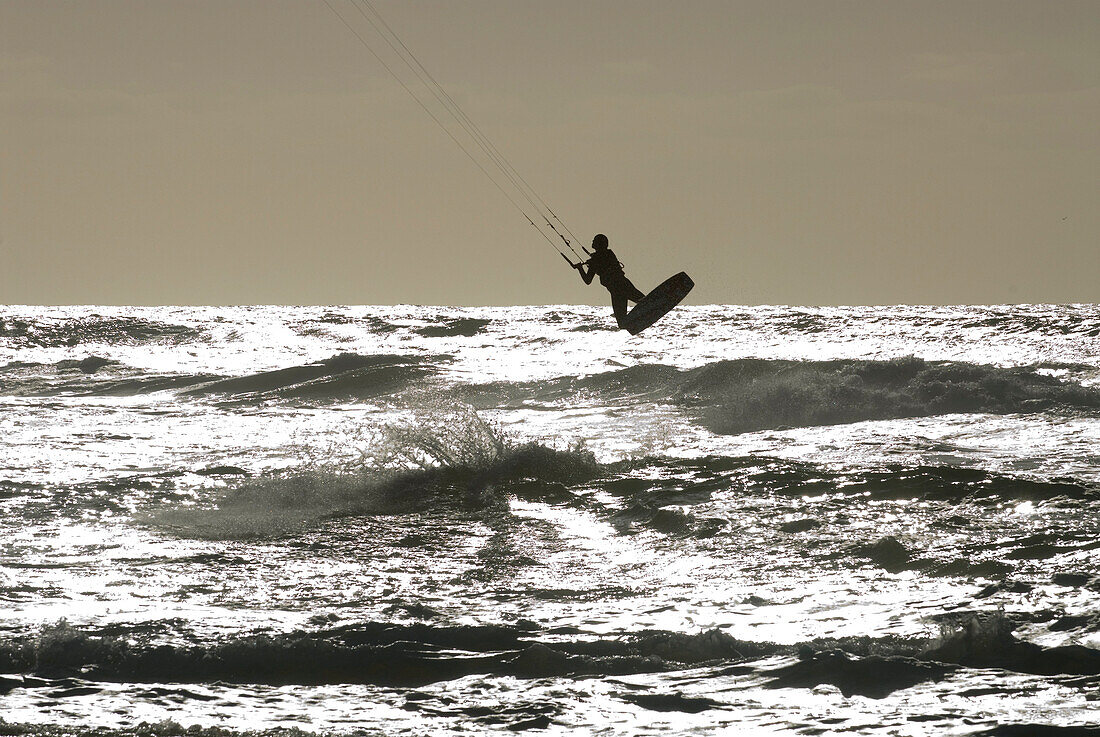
{"x": 746, "y": 395}
{"x": 444, "y": 458}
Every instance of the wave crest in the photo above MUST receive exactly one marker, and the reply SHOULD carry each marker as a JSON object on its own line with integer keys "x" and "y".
{"x": 751, "y": 394}
{"x": 342, "y": 375}
{"x": 414, "y": 654}
{"x": 440, "y": 459}
{"x": 748, "y": 395}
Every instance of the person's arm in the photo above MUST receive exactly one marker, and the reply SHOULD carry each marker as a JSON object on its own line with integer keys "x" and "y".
{"x": 587, "y": 276}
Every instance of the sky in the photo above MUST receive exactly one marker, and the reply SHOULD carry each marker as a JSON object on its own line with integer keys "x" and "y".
{"x": 781, "y": 152}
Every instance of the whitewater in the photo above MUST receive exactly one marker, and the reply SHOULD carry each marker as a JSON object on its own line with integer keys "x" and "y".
{"x": 410, "y": 520}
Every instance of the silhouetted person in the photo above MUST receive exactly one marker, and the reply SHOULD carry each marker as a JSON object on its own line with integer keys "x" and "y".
{"x": 604, "y": 264}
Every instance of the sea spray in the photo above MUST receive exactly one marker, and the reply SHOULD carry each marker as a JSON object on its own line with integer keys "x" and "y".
{"x": 442, "y": 457}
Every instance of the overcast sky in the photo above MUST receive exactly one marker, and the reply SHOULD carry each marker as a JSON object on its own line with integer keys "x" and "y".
{"x": 811, "y": 152}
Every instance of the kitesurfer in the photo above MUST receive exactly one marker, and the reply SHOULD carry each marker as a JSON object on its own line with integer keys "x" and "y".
{"x": 603, "y": 263}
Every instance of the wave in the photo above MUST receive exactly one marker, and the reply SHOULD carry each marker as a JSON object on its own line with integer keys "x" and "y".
{"x": 347, "y": 375}
{"x": 465, "y": 327}
{"x": 1012, "y": 321}
{"x": 681, "y": 499}
{"x": 342, "y": 376}
{"x": 373, "y": 652}
{"x": 89, "y": 376}
{"x": 160, "y": 728}
{"x": 283, "y": 504}
{"x": 409, "y": 655}
{"x": 877, "y": 668}
{"x": 97, "y": 329}
{"x": 446, "y": 457}
{"x": 987, "y": 642}
{"x": 745, "y": 395}
{"x": 645, "y": 382}
{"x": 322, "y": 326}
{"x": 938, "y": 483}
{"x": 728, "y": 397}
{"x": 443, "y": 459}
{"x": 764, "y": 475}
{"x": 809, "y": 507}
{"x": 87, "y": 365}
{"x": 1044, "y": 320}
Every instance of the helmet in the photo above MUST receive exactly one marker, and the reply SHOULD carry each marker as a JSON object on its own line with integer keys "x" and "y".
{"x": 600, "y": 241}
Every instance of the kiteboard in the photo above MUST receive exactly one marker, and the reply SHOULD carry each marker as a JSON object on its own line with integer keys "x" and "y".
{"x": 657, "y": 303}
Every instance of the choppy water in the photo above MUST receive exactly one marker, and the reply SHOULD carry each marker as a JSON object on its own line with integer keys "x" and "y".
{"x": 418, "y": 520}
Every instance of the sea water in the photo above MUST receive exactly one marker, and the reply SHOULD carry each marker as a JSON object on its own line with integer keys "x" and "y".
{"x": 418, "y": 520}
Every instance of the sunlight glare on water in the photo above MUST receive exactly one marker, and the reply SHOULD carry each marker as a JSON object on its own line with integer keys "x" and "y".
{"x": 419, "y": 519}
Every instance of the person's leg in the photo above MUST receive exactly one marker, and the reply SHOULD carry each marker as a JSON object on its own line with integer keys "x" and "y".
{"x": 618, "y": 304}
{"x": 631, "y": 292}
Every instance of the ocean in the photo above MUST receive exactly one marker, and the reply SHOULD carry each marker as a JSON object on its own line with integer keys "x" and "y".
{"x": 409, "y": 520}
